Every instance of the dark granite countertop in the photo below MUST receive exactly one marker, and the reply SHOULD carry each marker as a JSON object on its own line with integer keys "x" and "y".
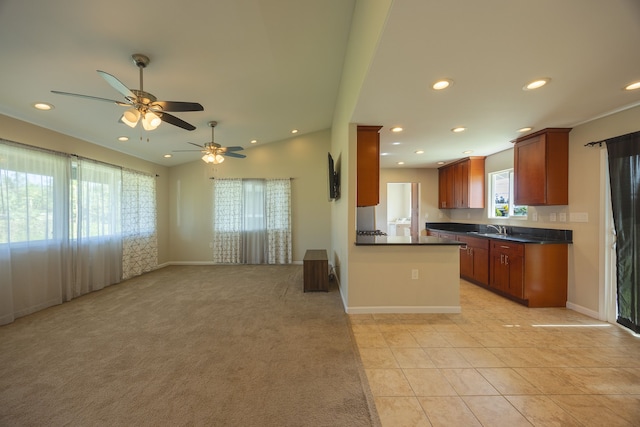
{"x": 513, "y": 233}
{"x": 404, "y": 241}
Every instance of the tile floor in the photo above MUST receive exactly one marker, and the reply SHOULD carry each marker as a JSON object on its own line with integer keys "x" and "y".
{"x": 499, "y": 364}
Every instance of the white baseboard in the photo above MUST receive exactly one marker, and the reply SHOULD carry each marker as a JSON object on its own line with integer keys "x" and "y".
{"x": 583, "y": 310}
{"x": 404, "y": 309}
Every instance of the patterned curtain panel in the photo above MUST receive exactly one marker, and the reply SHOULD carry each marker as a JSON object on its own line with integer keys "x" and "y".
{"x": 139, "y": 224}
{"x": 227, "y": 220}
{"x": 278, "y": 213}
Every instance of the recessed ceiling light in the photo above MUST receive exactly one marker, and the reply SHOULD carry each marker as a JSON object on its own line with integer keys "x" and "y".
{"x": 395, "y": 143}
{"x": 123, "y": 138}
{"x": 384, "y": 154}
{"x": 166, "y": 156}
{"x": 43, "y": 106}
{"x": 294, "y": 131}
{"x": 632, "y": 86}
{"x": 538, "y": 83}
{"x": 441, "y": 84}
{"x": 254, "y": 141}
{"x": 401, "y": 163}
{"x": 467, "y": 152}
{"x": 525, "y": 129}
{"x": 440, "y": 163}
{"x": 396, "y": 129}
{"x": 420, "y": 152}
{"x": 459, "y": 129}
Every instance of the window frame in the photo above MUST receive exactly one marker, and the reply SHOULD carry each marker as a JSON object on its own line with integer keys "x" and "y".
{"x": 513, "y": 211}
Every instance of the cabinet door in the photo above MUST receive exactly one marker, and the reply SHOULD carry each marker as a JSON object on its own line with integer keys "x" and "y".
{"x": 461, "y": 184}
{"x": 530, "y": 171}
{"x": 446, "y": 188}
{"x": 480, "y": 265}
{"x": 498, "y": 274}
{"x": 368, "y": 166}
{"x": 515, "y": 266}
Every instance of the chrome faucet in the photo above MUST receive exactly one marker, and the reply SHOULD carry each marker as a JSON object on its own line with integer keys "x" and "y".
{"x": 499, "y": 228}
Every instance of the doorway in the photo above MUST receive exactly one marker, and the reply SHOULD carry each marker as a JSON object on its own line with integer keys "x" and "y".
{"x": 403, "y": 208}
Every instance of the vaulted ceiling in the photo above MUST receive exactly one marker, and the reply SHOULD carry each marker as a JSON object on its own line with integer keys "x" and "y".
{"x": 262, "y": 68}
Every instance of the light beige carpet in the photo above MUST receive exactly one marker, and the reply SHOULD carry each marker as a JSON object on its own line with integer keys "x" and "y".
{"x": 187, "y": 345}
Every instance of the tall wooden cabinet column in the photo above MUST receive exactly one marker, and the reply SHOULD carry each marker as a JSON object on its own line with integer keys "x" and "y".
{"x": 541, "y": 168}
{"x": 368, "y": 166}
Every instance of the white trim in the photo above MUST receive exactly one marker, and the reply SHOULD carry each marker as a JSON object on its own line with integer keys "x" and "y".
{"x": 583, "y": 310}
{"x": 405, "y": 309}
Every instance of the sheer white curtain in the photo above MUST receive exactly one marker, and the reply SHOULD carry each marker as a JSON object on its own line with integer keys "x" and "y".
{"x": 227, "y": 220}
{"x": 278, "y": 219}
{"x": 252, "y": 221}
{"x": 96, "y": 230}
{"x": 35, "y": 263}
{"x": 139, "y": 224}
{"x": 254, "y": 228}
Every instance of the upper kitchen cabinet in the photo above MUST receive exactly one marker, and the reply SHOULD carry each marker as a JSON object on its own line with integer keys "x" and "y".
{"x": 461, "y": 184}
{"x": 368, "y": 166}
{"x": 541, "y": 168}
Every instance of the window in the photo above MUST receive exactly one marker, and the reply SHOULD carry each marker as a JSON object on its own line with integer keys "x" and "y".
{"x": 501, "y": 196}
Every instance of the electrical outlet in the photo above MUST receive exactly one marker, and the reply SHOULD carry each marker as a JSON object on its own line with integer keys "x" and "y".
{"x": 562, "y": 216}
{"x": 579, "y": 217}
{"x": 535, "y": 216}
{"x": 414, "y": 274}
{"x": 552, "y": 217}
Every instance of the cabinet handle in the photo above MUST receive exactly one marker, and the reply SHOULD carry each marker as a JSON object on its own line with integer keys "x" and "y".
{"x": 501, "y": 258}
{"x": 470, "y": 251}
{"x": 506, "y": 259}
{"x": 505, "y": 247}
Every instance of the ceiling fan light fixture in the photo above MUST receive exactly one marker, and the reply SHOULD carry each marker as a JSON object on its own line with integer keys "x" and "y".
{"x": 209, "y": 158}
{"x": 150, "y": 120}
{"x": 130, "y": 117}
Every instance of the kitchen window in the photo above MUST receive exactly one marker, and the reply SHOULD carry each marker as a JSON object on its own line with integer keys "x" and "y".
{"x": 501, "y": 196}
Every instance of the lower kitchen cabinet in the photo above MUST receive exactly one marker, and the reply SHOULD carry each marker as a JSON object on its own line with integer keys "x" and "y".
{"x": 474, "y": 260}
{"x": 507, "y": 267}
{"x": 532, "y": 274}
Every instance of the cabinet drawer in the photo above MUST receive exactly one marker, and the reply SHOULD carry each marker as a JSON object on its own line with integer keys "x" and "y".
{"x": 474, "y": 242}
{"x": 507, "y": 248}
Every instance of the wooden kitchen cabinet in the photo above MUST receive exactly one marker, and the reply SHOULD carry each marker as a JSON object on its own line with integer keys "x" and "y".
{"x": 507, "y": 267}
{"x": 474, "y": 260}
{"x": 461, "y": 184}
{"x": 368, "y": 166}
{"x": 541, "y": 168}
{"x": 532, "y": 274}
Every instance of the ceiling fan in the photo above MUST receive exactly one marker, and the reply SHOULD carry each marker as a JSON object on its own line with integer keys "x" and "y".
{"x": 214, "y": 152}
{"x": 143, "y": 105}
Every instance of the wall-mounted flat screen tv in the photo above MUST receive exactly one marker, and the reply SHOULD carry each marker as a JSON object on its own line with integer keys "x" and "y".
{"x": 334, "y": 180}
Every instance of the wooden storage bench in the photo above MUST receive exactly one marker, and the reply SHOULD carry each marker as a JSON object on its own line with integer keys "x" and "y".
{"x": 316, "y": 270}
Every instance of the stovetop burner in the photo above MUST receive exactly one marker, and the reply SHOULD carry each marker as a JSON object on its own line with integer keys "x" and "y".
{"x": 371, "y": 233}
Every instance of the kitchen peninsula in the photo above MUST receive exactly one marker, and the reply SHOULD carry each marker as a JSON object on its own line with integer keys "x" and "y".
{"x": 403, "y": 274}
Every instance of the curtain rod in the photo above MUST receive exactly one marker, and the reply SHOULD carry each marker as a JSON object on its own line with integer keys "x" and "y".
{"x": 599, "y": 143}
{"x": 213, "y": 177}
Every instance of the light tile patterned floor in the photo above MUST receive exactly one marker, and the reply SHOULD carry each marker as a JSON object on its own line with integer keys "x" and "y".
{"x": 499, "y": 364}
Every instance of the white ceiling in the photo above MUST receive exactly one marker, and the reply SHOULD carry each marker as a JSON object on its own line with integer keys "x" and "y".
{"x": 262, "y": 68}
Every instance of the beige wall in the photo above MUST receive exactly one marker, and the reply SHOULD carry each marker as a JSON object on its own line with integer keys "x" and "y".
{"x": 26, "y": 133}
{"x": 303, "y": 158}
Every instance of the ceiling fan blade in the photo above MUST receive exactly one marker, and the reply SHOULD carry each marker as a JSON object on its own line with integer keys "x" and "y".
{"x": 197, "y": 145}
{"x": 177, "y": 106}
{"x": 176, "y": 121}
{"x": 239, "y": 156}
{"x": 184, "y": 151}
{"x": 236, "y": 148}
{"x": 123, "y": 104}
{"x": 117, "y": 85}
